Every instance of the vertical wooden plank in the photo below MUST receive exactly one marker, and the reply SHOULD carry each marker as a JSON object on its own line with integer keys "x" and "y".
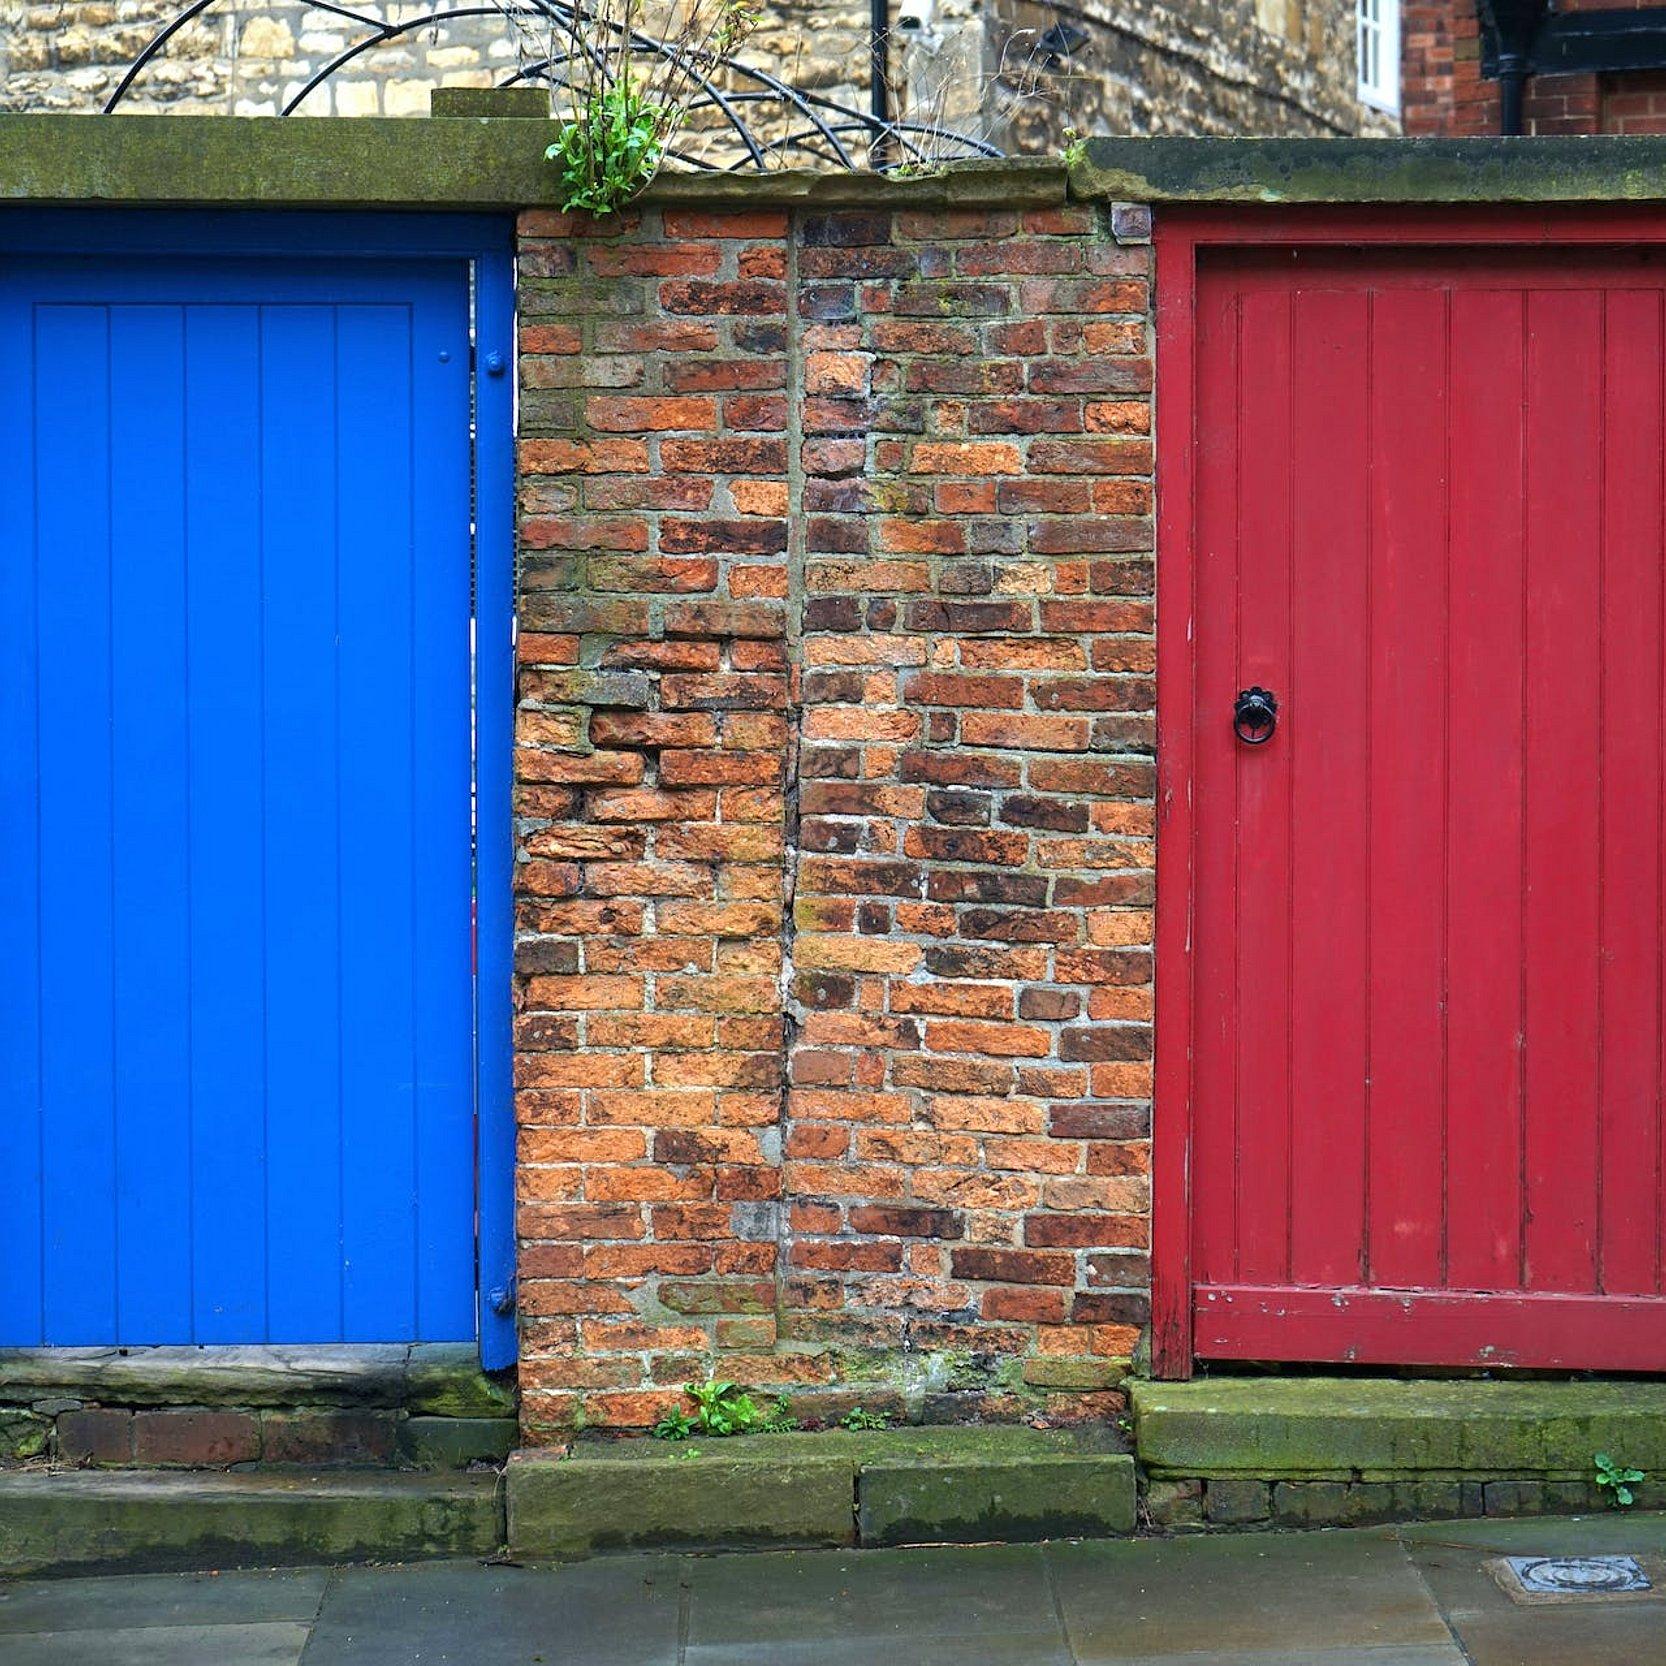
{"x": 494, "y": 681}
{"x": 21, "y": 1129}
{"x": 77, "y": 833}
{"x": 443, "y": 848}
{"x": 228, "y": 1224}
{"x": 150, "y": 850}
{"x": 379, "y": 897}
{"x": 1629, "y": 1038}
{"x": 1215, "y": 645}
{"x": 1326, "y": 725}
{"x": 303, "y": 875}
{"x": 1486, "y": 745}
{"x": 1263, "y": 835}
{"x": 1565, "y": 768}
{"x": 1407, "y": 647}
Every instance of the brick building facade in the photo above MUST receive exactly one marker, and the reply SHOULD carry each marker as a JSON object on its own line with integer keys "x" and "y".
{"x": 1445, "y": 94}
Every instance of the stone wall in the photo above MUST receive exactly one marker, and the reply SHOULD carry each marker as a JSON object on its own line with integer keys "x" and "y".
{"x": 1141, "y": 66}
{"x": 835, "y": 809}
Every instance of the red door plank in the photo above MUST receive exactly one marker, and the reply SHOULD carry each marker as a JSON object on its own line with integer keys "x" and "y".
{"x": 1263, "y": 782}
{"x": 1487, "y": 633}
{"x": 1408, "y": 798}
{"x": 1564, "y": 759}
{"x": 1214, "y": 1083}
{"x": 1326, "y": 727}
{"x": 1631, "y": 826}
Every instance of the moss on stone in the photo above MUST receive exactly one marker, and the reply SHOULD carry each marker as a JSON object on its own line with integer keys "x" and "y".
{"x": 1371, "y": 170}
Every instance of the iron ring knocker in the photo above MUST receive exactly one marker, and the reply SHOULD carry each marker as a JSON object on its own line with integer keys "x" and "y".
{"x": 1255, "y": 716}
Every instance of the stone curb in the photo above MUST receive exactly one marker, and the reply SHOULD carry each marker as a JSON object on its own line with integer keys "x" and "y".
{"x": 765, "y": 1493}
{"x": 145, "y": 1521}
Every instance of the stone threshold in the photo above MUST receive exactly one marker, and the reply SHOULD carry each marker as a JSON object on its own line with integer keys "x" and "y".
{"x": 1334, "y": 1451}
{"x": 887, "y": 1487}
{"x": 442, "y": 1378}
{"x": 427, "y": 1406}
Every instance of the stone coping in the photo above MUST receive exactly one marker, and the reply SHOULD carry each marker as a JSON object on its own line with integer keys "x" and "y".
{"x": 476, "y": 162}
{"x": 1299, "y": 1428}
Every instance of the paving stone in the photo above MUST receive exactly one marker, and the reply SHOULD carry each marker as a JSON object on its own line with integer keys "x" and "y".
{"x": 618, "y": 1612}
{"x": 178, "y": 1599}
{"x": 988, "y": 1604}
{"x": 277, "y": 1644}
{"x": 1237, "y": 1594}
{"x": 1498, "y": 1632}
{"x": 976, "y": 1501}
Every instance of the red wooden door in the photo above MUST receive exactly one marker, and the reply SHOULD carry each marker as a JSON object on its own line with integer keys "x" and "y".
{"x": 1427, "y": 1040}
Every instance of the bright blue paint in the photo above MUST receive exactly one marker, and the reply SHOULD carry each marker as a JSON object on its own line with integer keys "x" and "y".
{"x": 494, "y": 686}
{"x": 235, "y": 771}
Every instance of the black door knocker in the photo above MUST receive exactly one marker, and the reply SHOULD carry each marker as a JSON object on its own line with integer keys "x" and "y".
{"x": 1255, "y": 716}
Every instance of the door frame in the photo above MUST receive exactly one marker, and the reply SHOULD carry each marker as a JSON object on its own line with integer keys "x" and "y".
{"x": 1182, "y": 232}
{"x": 486, "y": 243}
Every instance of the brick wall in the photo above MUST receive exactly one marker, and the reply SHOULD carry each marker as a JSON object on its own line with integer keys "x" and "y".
{"x": 835, "y": 809}
{"x": 1443, "y": 93}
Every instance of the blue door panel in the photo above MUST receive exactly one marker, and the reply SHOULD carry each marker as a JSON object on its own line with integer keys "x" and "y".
{"x": 237, "y": 1073}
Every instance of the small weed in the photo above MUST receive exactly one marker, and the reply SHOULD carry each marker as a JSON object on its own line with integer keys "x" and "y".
{"x": 1619, "y": 1478}
{"x": 723, "y": 1408}
{"x": 675, "y": 1425}
{"x": 859, "y": 1418}
{"x": 780, "y": 1421}
{"x": 1075, "y": 148}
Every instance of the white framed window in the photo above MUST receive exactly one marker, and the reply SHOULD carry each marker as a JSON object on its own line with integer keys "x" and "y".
{"x": 1378, "y": 29}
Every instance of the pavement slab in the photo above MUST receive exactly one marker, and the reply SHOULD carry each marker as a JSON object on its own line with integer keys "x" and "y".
{"x": 619, "y": 1612}
{"x": 987, "y": 1605}
{"x": 275, "y": 1644}
{"x": 1247, "y": 1596}
{"x": 1416, "y": 1596}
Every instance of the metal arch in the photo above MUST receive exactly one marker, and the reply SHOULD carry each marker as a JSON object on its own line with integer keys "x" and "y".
{"x": 820, "y": 134}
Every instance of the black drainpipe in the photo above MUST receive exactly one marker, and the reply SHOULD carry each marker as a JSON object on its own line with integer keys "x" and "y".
{"x": 879, "y": 65}
{"x": 1512, "y": 24}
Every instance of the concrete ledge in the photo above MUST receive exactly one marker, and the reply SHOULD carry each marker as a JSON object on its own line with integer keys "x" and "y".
{"x": 1371, "y": 170}
{"x": 1366, "y": 1429}
{"x": 948, "y": 1485}
{"x": 78, "y": 1521}
{"x": 444, "y": 162}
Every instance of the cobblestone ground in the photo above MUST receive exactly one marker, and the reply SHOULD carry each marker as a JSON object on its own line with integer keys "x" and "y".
{"x": 1383, "y": 1597}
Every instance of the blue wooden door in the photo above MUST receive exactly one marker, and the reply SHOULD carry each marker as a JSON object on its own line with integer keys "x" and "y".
{"x": 236, "y": 997}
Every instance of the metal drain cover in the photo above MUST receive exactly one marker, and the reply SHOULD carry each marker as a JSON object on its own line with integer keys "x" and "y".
{"x": 1570, "y": 1578}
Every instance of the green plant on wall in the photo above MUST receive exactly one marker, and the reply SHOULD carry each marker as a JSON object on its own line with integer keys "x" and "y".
{"x": 1618, "y": 1479}
{"x": 628, "y": 81}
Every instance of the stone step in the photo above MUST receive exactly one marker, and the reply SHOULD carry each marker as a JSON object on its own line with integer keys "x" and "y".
{"x": 898, "y": 1486}
{"x": 62, "y": 1521}
{"x": 1315, "y": 1428}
